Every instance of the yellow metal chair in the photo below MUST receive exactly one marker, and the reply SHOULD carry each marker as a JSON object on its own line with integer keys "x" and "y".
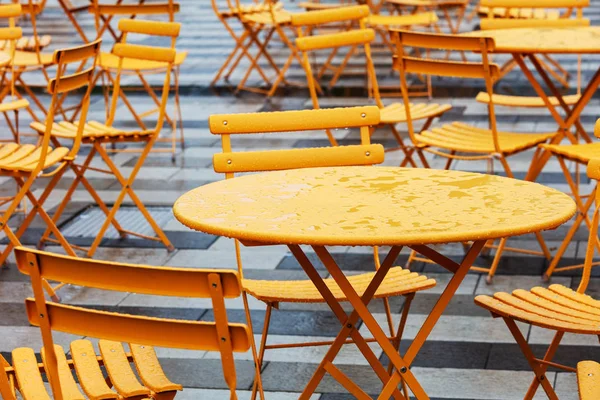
{"x": 34, "y": 42}
{"x": 457, "y": 140}
{"x": 26, "y": 163}
{"x": 391, "y": 114}
{"x": 580, "y": 155}
{"x": 588, "y": 380}
{"x": 557, "y": 308}
{"x": 140, "y": 332}
{"x": 243, "y": 42}
{"x": 104, "y": 15}
{"x": 397, "y": 282}
{"x": 510, "y": 14}
{"x": 10, "y": 37}
{"x": 99, "y": 135}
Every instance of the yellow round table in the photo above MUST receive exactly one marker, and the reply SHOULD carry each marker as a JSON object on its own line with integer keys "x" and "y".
{"x": 367, "y": 206}
{"x": 373, "y": 206}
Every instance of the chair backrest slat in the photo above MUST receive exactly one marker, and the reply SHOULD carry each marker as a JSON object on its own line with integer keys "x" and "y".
{"x": 436, "y": 41}
{"x": 180, "y": 282}
{"x": 302, "y": 120}
{"x": 447, "y": 68}
{"x": 535, "y": 3}
{"x": 181, "y": 334}
{"x": 11, "y": 33}
{"x": 71, "y": 82}
{"x": 137, "y": 9}
{"x": 10, "y": 10}
{"x": 276, "y": 160}
{"x": 337, "y": 14}
{"x": 333, "y": 40}
{"x": 513, "y": 23}
{"x": 142, "y": 52}
{"x": 154, "y": 28}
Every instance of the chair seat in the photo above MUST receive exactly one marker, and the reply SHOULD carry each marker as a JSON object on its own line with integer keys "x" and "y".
{"x": 398, "y": 281}
{"x": 588, "y": 380}
{"x": 13, "y": 105}
{"x": 557, "y": 307}
{"x": 91, "y": 380}
{"x": 30, "y": 59}
{"x": 265, "y": 18}
{"x": 576, "y": 152}
{"x": 25, "y": 157}
{"x": 27, "y": 43}
{"x": 111, "y": 61}
{"x": 469, "y": 139}
{"x": 402, "y": 20}
{"x": 524, "y": 101}
{"x": 396, "y": 112}
{"x": 92, "y": 131}
{"x": 524, "y": 13}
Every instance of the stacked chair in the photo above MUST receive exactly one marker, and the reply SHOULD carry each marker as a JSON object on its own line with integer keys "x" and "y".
{"x": 557, "y": 308}
{"x": 98, "y": 135}
{"x": 397, "y": 282}
{"x": 141, "y": 333}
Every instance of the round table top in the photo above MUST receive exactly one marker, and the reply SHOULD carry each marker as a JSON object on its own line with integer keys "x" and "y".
{"x": 576, "y": 40}
{"x": 368, "y": 206}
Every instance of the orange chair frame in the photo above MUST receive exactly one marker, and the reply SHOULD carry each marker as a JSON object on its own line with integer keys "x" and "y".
{"x": 220, "y": 335}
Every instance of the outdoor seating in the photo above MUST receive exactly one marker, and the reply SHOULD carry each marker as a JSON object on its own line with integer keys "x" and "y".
{"x": 558, "y": 308}
{"x": 140, "y": 332}
{"x": 273, "y": 292}
{"x": 99, "y": 135}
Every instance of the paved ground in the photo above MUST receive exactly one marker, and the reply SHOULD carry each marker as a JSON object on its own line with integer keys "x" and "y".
{"x": 469, "y": 354}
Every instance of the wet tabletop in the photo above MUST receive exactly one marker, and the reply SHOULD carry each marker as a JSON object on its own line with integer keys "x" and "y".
{"x": 584, "y": 40}
{"x": 371, "y": 206}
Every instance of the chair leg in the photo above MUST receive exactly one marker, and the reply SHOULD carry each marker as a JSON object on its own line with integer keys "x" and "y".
{"x": 496, "y": 261}
{"x": 261, "y": 352}
{"x": 538, "y": 369}
{"x": 401, "y": 325}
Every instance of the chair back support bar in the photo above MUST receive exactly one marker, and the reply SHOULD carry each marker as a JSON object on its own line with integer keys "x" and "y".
{"x": 180, "y": 334}
{"x": 76, "y": 54}
{"x": 162, "y": 281}
{"x": 337, "y": 14}
{"x": 277, "y": 160}
{"x": 288, "y": 121}
{"x": 333, "y": 40}
{"x": 10, "y": 33}
{"x": 71, "y": 82}
{"x": 154, "y": 28}
{"x": 443, "y": 41}
{"x": 136, "y": 9}
{"x": 446, "y": 68}
{"x": 10, "y": 10}
{"x": 514, "y": 23}
{"x": 535, "y": 3}
{"x": 141, "y": 52}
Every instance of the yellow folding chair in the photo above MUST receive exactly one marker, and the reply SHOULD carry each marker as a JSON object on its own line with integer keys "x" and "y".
{"x": 34, "y": 42}
{"x": 140, "y": 332}
{"x": 511, "y": 14}
{"x": 391, "y": 114}
{"x": 104, "y": 15}
{"x": 243, "y": 42}
{"x": 31, "y": 59}
{"x": 580, "y": 155}
{"x": 397, "y": 282}
{"x": 26, "y": 163}
{"x": 457, "y": 140}
{"x": 99, "y": 135}
{"x": 557, "y": 308}
{"x": 9, "y": 38}
{"x": 588, "y": 380}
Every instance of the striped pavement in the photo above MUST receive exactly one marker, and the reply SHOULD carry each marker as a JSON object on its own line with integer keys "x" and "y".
{"x": 469, "y": 355}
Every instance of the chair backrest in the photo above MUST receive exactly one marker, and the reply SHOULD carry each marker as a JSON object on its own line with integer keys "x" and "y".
{"x": 11, "y": 34}
{"x": 104, "y": 13}
{"x": 593, "y": 172}
{"x": 417, "y": 64}
{"x": 506, "y": 14}
{"x": 65, "y": 83}
{"x": 163, "y": 57}
{"x": 217, "y": 284}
